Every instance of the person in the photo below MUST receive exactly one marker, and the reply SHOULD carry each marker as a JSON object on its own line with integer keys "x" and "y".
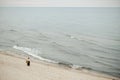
{"x": 28, "y": 61}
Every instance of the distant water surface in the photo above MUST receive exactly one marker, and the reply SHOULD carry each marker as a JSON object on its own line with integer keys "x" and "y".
{"x": 88, "y": 37}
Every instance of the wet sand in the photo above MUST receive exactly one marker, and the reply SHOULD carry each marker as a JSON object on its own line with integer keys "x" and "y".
{"x": 13, "y": 67}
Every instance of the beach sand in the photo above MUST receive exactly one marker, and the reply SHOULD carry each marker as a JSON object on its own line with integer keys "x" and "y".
{"x": 13, "y": 67}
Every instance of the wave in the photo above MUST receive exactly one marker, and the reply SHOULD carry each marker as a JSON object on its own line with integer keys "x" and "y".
{"x": 73, "y": 66}
{"x": 107, "y": 58}
{"x": 33, "y": 52}
{"x": 95, "y": 41}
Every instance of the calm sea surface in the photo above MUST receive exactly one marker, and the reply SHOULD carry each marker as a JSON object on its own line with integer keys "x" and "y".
{"x": 88, "y": 37}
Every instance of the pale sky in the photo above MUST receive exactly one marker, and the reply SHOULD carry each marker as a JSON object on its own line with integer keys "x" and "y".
{"x": 61, "y": 3}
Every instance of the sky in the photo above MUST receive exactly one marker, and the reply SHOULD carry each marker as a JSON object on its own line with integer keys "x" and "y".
{"x": 61, "y": 3}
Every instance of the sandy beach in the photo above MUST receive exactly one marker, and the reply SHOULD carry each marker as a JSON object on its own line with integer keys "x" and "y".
{"x": 13, "y": 67}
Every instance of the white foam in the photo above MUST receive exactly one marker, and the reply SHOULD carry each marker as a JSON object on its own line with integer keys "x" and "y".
{"x": 76, "y": 66}
{"x": 72, "y": 37}
{"x": 33, "y": 52}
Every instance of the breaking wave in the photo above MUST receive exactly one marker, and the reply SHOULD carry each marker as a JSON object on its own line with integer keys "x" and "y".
{"x": 32, "y": 52}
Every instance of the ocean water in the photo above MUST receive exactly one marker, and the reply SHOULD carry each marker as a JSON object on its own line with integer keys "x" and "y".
{"x": 87, "y": 37}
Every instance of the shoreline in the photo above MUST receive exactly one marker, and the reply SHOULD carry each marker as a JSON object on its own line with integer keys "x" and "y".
{"x": 37, "y": 66}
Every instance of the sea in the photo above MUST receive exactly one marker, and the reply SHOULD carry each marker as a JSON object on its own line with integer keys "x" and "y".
{"x": 87, "y": 37}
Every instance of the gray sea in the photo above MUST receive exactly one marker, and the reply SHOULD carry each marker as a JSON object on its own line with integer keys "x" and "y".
{"x": 81, "y": 37}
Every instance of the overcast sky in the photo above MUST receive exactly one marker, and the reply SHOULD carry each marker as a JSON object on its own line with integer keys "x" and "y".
{"x": 61, "y": 3}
